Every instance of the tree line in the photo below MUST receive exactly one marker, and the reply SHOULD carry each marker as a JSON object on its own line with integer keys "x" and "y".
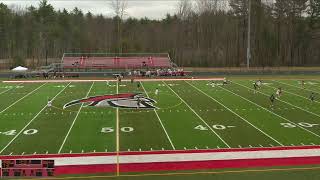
{"x": 202, "y": 33}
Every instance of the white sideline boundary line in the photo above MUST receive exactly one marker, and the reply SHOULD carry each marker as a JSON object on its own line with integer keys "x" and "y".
{"x": 118, "y": 135}
{"x": 284, "y": 102}
{"x": 198, "y": 115}
{"x": 74, "y": 120}
{"x": 164, "y": 129}
{"x": 291, "y": 93}
{"x": 32, "y": 120}
{"x": 22, "y": 98}
{"x": 273, "y": 112}
{"x": 10, "y": 89}
{"x": 294, "y": 86}
{"x": 113, "y": 80}
{"x": 236, "y": 114}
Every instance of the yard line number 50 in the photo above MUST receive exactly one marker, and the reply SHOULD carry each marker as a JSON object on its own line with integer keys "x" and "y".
{"x": 111, "y": 129}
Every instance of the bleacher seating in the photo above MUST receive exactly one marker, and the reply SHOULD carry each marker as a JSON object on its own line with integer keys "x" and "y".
{"x": 133, "y": 62}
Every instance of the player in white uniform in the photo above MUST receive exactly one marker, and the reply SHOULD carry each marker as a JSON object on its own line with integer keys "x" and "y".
{"x": 156, "y": 92}
{"x": 49, "y": 104}
{"x": 278, "y": 92}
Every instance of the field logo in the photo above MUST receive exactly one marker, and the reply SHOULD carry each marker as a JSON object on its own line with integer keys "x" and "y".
{"x": 128, "y": 101}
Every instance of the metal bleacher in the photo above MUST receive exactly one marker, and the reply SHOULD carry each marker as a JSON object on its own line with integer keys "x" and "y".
{"x": 115, "y": 61}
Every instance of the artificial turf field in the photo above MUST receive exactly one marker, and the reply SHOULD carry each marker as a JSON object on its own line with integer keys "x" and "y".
{"x": 190, "y": 115}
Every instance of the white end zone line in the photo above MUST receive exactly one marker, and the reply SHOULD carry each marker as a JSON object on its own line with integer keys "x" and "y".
{"x": 32, "y": 120}
{"x": 74, "y": 120}
{"x": 198, "y": 116}
{"x": 113, "y": 80}
{"x": 236, "y": 114}
{"x": 164, "y": 129}
{"x": 282, "y": 101}
{"x": 274, "y": 112}
{"x": 22, "y": 98}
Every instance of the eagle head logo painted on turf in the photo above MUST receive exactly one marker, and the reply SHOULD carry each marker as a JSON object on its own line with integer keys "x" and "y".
{"x": 128, "y": 101}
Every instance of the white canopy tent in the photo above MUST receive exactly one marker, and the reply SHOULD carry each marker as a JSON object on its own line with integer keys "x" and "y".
{"x": 20, "y": 69}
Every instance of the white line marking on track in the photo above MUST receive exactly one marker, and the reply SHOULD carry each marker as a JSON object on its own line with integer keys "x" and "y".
{"x": 236, "y": 113}
{"x": 197, "y": 115}
{"x": 240, "y": 146}
{"x": 250, "y": 146}
{"x": 31, "y": 121}
{"x": 74, "y": 120}
{"x": 260, "y": 145}
{"x": 272, "y": 111}
{"x": 218, "y": 147}
{"x": 164, "y": 129}
{"x": 22, "y": 98}
{"x": 271, "y": 145}
{"x": 302, "y": 144}
{"x": 22, "y": 153}
{"x": 11, "y": 153}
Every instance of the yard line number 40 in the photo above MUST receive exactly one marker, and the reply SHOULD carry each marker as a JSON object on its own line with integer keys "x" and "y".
{"x": 14, "y": 132}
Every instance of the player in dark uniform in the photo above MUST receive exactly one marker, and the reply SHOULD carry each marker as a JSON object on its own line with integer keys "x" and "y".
{"x": 138, "y": 102}
{"x": 225, "y": 82}
{"x": 272, "y": 99}
{"x": 255, "y": 86}
{"x": 302, "y": 83}
{"x": 138, "y": 85}
{"x": 312, "y": 97}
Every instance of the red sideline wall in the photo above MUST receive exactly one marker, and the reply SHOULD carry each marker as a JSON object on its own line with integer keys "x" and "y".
{"x": 180, "y": 160}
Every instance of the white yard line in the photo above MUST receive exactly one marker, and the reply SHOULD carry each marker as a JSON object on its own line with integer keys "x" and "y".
{"x": 197, "y": 115}
{"x": 22, "y": 98}
{"x": 293, "y": 86}
{"x": 236, "y": 114}
{"x": 282, "y": 101}
{"x": 273, "y": 112}
{"x": 74, "y": 120}
{"x": 118, "y": 135}
{"x": 291, "y": 93}
{"x": 10, "y": 89}
{"x": 32, "y": 120}
{"x": 164, "y": 129}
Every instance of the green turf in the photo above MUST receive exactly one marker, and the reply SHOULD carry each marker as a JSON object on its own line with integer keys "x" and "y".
{"x": 190, "y": 115}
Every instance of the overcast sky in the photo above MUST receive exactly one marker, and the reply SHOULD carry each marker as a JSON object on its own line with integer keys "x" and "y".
{"x": 153, "y": 9}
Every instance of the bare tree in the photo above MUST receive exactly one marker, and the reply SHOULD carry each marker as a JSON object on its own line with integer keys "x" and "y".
{"x": 119, "y": 7}
{"x": 184, "y": 9}
{"x": 204, "y": 6}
